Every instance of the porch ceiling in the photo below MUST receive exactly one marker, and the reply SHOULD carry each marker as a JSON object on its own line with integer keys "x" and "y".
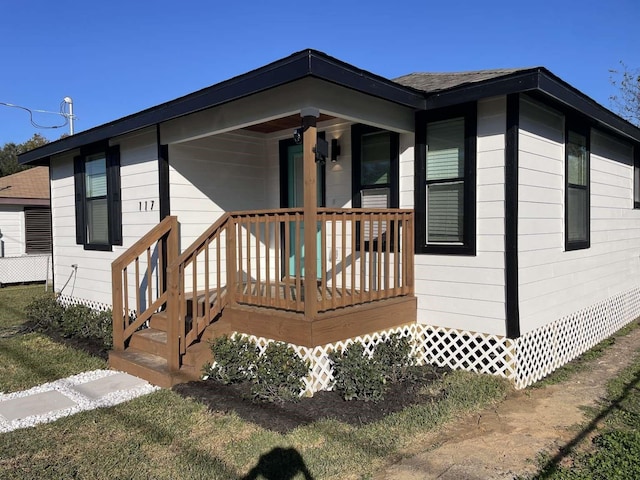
{"x": 285, "y": 123}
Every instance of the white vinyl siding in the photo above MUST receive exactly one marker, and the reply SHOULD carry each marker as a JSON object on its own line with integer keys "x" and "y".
{"x": 139, "y": 190}
{"x": 555, "y": 282}
{"x": 467, "y": 292}
{"x": 11, "y": 230}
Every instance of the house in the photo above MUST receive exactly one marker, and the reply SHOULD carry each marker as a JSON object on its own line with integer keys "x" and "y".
{"x": 25, "y": 227}
{"x": 492, "y": 216}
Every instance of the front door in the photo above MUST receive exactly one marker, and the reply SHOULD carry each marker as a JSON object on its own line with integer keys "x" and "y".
{"x": 292, "y": 196}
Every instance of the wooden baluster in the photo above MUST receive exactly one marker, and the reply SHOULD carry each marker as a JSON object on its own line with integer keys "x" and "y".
{"x": 174, "y": 316}
{"x": 410, "y": 254}
{"x": 334, "y": 252}
{"x": 117, "y": 312}
{"x": 218, "y": 302}
{"x": 267, "y": 260}
{"x": 126, "y": 297}
{"x": 232, "y": 268}
{"x": 379, "y": 266}
{"x": 276, "y": 259}
{"x": 206, "y": 301}
{"x": 343, "y": 257}
{"x": 259, "y": 295}
{"x": 149, "y": 280}
{"x": 287, "y": 262}
{"x": 137, "y": 283}
{"x": 387, "y": 254}
{"x": 323, "y": 261}
{"x": 249, "y": 279}
{"x": 297, "y": 267}
{"x": 396, "y": 254}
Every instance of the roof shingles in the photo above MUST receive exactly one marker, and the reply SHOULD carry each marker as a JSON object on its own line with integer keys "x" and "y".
{"x": 27, "y": 184}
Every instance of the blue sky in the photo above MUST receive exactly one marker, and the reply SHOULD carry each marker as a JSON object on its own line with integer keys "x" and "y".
{"x": 118, "y": 57}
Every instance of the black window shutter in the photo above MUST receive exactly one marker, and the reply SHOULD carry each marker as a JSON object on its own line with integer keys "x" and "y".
{"x": 115, "y": 202}
{"x": 78, "y": 177}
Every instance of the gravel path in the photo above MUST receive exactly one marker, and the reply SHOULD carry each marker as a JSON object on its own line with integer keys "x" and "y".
{"x": 67, "y": 396}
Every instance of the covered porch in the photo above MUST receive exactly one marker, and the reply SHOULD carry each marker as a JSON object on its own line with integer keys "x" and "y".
{"x": 298, "y": 271}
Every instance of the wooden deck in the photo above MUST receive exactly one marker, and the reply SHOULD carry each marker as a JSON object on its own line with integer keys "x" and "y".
{"x": 365, "y": 261}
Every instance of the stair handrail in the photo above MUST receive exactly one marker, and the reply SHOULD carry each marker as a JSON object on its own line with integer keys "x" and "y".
{"x": 122, "y": 327}
{"x": 176, "y": 328}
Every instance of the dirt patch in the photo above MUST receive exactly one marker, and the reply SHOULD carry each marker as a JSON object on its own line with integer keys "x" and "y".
{"x": 504, "y": 440}
{"x": 285, "y": 417}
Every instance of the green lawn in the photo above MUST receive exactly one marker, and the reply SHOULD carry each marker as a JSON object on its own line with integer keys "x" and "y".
{"x": 165, "y": 436}
{"x": 13, "y": 301}
{"x": 28, "y": 358}
{"x": 614, "y": 427}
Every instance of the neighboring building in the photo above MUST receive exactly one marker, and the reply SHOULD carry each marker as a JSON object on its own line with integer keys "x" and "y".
{"x": 494, "y": 216}
{"x": 25, "y": 227}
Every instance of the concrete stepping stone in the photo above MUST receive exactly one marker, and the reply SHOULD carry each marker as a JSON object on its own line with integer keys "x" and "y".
{"x": 97, "y": 389}
{"x": 36, "y": 404}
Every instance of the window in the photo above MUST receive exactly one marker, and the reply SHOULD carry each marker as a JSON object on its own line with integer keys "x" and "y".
{"x": 97, "y": 195}
{"x": 375, "y": 155}
{"x": 37, "y": 226}
{"x": 445, "y": 202}
{"x": 577, "y": 205}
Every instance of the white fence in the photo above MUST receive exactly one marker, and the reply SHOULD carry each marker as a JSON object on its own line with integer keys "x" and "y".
{"x": 25, "y": 268}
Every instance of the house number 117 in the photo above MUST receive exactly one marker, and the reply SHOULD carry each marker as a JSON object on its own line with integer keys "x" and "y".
{"x": 148, "y": 205}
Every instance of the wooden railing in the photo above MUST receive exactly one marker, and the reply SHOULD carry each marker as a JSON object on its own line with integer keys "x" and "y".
{"x": 138, "y": 279}
{"x": 258, "y": 258}
{"x": 362, "y": 256}
{"x": 205, "y": 270}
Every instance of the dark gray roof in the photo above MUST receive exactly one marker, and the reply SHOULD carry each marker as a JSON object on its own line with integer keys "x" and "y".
{"x": 434, "y": 82}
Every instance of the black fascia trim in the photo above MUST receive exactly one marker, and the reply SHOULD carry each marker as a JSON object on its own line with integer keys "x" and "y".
{"x": 564, "y": 93}
{"x": 299, "y": 65}
{"x": 636, "y": 167}
{"x": 341, "y": 73}
{"x": 515, "y": 83}
{"x": 511, "y": 285}
{"x": 469, "y": 111}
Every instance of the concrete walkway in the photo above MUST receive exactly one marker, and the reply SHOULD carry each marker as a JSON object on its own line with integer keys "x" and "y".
{"x": 67, "y": 396}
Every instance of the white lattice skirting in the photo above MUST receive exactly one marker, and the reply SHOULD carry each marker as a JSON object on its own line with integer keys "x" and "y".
{"x": 67, "y": 301}
{"x": 524, "y": 360}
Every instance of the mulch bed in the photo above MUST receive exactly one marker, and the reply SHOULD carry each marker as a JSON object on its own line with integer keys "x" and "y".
{"x": 285, "y": 417}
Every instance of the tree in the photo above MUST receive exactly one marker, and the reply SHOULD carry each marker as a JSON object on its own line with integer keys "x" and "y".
{"x": 627, "y": 102}
{"x": 10, "y": 151}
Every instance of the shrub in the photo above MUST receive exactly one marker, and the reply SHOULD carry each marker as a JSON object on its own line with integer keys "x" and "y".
{"x": 356, "y": 375}
{"x": 278, "y": 374}
{"x": 102, "y": 327}
{"x": 235, "y": 359}
{"x": 76, "y": 321}
{"x": 45, "y": 312}
{"x": 394, "y": 354}
{"x": 359, "y": 376}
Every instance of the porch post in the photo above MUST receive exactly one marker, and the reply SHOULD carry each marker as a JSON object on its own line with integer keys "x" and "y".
{"x": 310, "y": 211}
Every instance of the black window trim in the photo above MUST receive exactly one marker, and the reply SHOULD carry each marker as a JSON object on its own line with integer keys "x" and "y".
{"x": 584, "y": 129}
{"x": 114, "y": 207}
{"x": 636, "y": 175}
{"x": 470, "y": 113}
{"x": 358, "y": 130}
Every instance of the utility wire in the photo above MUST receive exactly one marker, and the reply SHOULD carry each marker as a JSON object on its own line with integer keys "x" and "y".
{"x": 31, "y": 112}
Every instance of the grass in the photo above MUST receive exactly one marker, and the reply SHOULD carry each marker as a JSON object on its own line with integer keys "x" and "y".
{"x": 165, "y": 436}
{"x": 28, "y": 359}
{"x": 13, "y": 301}
{"x": 614, "y": 452}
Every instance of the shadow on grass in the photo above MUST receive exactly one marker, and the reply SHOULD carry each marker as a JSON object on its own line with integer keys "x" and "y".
{"x": 198, "y": 459}
{"x": 551, "y": 466}
{"x": 279, "y": 464}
